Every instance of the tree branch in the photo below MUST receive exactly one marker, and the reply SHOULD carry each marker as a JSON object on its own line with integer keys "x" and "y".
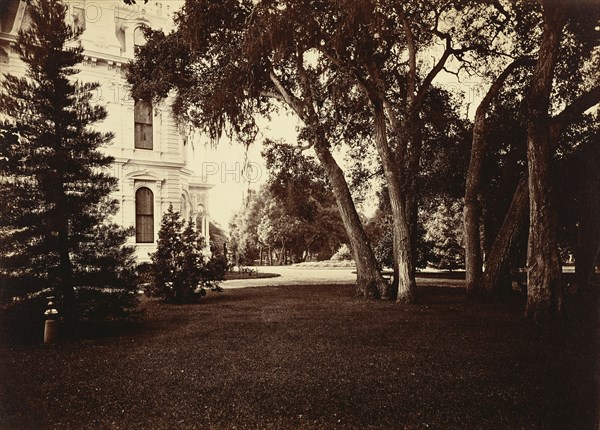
{"x": 412, "y": 55}
{"x": 497, "y": 85}
{"x": 294, "y": 102}
{"x": 573, "y": 110}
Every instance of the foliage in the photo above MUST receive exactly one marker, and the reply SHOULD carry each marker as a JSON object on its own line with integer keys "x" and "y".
{"x": 294, "y": 213}
{"x": 343, "y": 253}
{"x": 218, "y": 238}
{"x": 342, "y": 65}
{"x": 442, "y": 222}
{"x": 180, "y": 270}
{"x": 576, "y": 164}
{"x": 56, "y": 237}
{"x": 243, "y": 227}
{"x": 380, "y": 231}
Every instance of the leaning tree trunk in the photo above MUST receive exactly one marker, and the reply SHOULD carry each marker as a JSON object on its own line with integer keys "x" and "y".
{"x": 496, "y": 263}
{"x": 369, "y": 282}
{"x": 544, "y": 289}
{"x": 403, "y": 253}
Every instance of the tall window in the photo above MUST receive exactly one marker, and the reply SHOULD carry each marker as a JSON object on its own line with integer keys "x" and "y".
{"x": 144, "y": 216}
{"x": 143, "y": 125}
{"x": 138, "y": 37}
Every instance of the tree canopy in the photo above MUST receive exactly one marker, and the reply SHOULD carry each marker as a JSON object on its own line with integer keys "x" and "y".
{"x": 364, "y": 74}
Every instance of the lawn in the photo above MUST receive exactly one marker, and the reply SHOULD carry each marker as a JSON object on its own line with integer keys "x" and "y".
{"x": 311, "y": 357}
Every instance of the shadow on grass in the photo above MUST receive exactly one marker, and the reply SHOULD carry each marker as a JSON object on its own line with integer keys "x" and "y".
{"x": 312, "y": 357}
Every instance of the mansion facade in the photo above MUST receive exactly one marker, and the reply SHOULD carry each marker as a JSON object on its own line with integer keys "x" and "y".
{"x": 152, "y": 154}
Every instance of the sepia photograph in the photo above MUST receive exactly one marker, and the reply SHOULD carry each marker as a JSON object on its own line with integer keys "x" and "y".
{"x": 300, "y": 214}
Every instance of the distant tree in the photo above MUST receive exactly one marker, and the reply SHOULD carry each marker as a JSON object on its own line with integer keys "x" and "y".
{"x": 218, "y": 238}
{"x": 55, "y": 228}
{"x": 442, "y": 223}
{"x": 300, "y": 186}
{"x": 246, "y": 245}
{"x": 181, "y": 272}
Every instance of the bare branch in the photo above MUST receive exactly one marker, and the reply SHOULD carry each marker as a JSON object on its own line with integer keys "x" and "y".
{"x": 445, "y": 69}
{"x": 273, "y": 95}
{"x": 412, "y": 55}
{"x": 302, "y": 148}
{"x": 294, "y": 102}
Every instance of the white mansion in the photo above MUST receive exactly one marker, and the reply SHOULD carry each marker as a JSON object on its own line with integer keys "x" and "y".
{"x": 152, "y": 157}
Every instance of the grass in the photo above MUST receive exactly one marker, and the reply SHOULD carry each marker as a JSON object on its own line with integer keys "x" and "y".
{"x": 311, "y": 357}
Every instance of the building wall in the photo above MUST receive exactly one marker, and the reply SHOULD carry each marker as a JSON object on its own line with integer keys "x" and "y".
{"x": 111, "y": 32}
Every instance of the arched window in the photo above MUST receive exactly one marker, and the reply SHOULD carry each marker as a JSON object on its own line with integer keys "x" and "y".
{"x": 138, "y": 37}
{"x": 144, "y": 216}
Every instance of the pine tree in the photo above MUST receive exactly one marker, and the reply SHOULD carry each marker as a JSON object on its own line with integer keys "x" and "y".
{"x": 166, "y": 261}
{"x": 180, "y": 269}
{"x": 55, "y": 188}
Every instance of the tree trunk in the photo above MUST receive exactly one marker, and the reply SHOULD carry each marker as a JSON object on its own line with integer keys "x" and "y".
{"x": 369, "y": 282}
{"x": 544, "y": 289}
{"x": 270, "y": 256}
{"x": 497, "y": 258}
{"x": 496, "y": 263}
{"x": 281, "y": 254}
{"x": 408, "y": 178}
{"x": 260, "y": 255}
{"x": 65, "y": 268}
{"x": 403, "y": 254}
{"x": 473, "y": 206}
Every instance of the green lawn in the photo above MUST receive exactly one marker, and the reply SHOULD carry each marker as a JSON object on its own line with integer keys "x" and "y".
{"x": 310, "y": 357}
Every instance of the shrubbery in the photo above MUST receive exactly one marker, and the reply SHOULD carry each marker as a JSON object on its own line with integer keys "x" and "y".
{"x": 343, "y": 253}
{"x": 181, "y": 270}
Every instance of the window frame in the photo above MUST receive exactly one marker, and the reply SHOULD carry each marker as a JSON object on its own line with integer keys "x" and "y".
{"x": 143, "y": 125}
{"x": 144, "y": 216}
